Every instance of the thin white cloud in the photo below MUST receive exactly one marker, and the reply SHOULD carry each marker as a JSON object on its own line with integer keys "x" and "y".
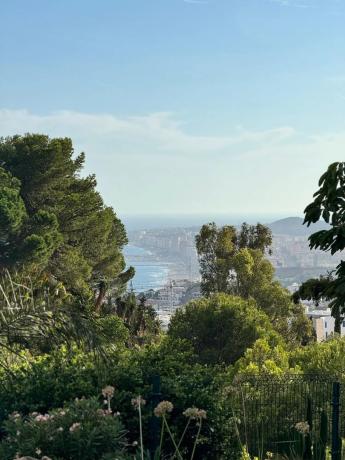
{"x": 153, "y": 164}
{"x": 154, "y": 133}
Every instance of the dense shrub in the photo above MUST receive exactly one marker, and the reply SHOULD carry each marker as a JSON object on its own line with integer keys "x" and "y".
{"x": 220, "y": 328}
{"x": 64, "y": 375}
{"x": 81, "y": 430}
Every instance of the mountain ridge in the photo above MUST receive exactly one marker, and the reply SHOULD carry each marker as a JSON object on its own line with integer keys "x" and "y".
{"x": 293, "y": 226}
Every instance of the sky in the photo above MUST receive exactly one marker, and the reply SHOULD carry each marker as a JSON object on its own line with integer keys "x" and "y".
{"x": 183, "y": 106}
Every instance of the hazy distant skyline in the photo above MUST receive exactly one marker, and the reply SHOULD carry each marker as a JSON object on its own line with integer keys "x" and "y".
{"x": 183, "y": 106}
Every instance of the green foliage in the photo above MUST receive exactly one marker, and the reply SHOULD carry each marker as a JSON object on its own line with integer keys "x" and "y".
{"x": 48, "y": 381}
{"x": 328, "y": 205}
{"x": 12, "y": 208}
{"x": 262, "y": 358}
{"x": 41, "y": 320}
{"x": 235, "y": 263}
{"x": 52, "y": 216}
{"x": 314, "y": 289}
{"x": 220, "y": 328}
{"x": 217, "y": 248}
{"x": 308, "y": 443}
{"x": 140, "y": 319}
{"x": 320, "y": 446}
{"x": 81, "y": 430}
{"x": 24, "y": 238}
{"x": 327, "y": 357}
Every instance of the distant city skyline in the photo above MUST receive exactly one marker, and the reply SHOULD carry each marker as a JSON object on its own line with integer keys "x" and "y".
{"x": 183, "y": 106}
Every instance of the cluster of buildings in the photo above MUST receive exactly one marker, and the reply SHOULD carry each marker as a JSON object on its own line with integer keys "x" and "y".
{"x": 294, "y": 251}
{"x": 320, "y": 315}
{"x": 168, "y": 298}
{"x": 291, "y": 256}
{"x": 176, "y": 293}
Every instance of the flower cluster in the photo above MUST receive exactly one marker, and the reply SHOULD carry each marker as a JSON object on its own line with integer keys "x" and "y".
{"x": 74, "y": 427}
{"x": 108, "y": 391}
{"x": 42, "y": 418}
{"x": 302, "y": 427}
{"x": 163, "y": 408}
{"x": 194, "y": 413}
{"x": 57, "y": 433}
{"x": 138, "y": 402}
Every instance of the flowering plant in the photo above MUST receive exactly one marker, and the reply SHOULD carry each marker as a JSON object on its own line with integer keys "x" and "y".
{"x": 81, "y": 430}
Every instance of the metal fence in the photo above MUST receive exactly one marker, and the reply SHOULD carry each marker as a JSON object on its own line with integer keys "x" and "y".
{"x": 267, "y": 409}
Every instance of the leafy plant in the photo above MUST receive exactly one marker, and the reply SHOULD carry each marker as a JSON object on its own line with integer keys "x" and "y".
{"x": 34, "y": 319}
{"x": 81, "y": 430}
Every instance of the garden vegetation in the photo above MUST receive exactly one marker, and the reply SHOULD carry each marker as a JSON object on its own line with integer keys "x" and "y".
{"x": 78, "y": 353}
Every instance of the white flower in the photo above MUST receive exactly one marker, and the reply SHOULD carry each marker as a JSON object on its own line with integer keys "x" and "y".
{"x": 42, "y": 418}
{"x": 195, "y": 413}
{"x": 138, "y": 402}
{"x": 302, "y": 427}
{"x": 108, "y": 391}
{"x": 74, "y": 427}
{"x": 163, "y": 408}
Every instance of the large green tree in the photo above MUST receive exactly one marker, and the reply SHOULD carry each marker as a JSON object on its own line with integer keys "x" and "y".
{"x": 54, "y": 217}
{"x": 217, "y": 249}
{"x": 221, "y": 327}
{"x": 235, "y": 262}
{"x": 23, "y": 238}
{"x": 329, "y": 205}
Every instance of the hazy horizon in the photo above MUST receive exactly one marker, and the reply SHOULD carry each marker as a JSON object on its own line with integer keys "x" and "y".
{"x": 148, "y": 221}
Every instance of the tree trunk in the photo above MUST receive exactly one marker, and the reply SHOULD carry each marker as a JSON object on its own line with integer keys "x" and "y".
{"x": 337, "y": 321}
{"x": 101, "y": 296}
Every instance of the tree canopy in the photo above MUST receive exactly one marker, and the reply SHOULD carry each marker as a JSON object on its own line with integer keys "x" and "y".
{"x": 54, "y": 217}
{"x": 217, "y": 249}
{"x": 329, "y": 205}
{"x": 235, "y": 263}
{"x": 220, "y": 328}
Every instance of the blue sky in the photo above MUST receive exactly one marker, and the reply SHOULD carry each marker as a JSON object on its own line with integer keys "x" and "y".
{"x": 183, "y": 106}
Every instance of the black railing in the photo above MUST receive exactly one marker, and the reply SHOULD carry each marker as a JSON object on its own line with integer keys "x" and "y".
{"x": 267, "y": 410}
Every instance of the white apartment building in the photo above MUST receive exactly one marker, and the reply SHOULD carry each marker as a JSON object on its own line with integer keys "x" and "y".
{"x": 323, "y": 323}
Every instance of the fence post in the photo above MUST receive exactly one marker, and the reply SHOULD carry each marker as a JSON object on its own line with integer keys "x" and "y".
{"x": 336, "y": 443}
{"x": 154, "y": 422}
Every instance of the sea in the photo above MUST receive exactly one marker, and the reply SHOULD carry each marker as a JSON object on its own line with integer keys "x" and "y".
{"x": 149, "y": 273}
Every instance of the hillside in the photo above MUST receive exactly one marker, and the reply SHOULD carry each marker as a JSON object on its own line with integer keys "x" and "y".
{"x": 293, "y": 226}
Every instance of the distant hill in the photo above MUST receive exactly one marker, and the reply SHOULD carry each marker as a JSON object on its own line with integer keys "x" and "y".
{"x": 293, "y": 226}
